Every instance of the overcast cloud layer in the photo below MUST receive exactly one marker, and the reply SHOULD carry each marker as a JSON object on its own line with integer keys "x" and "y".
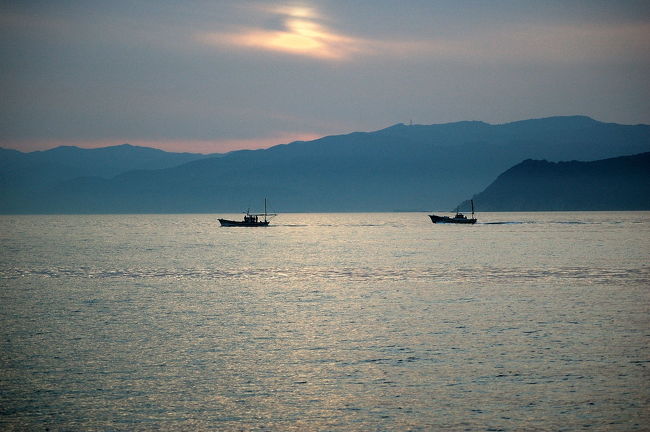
{"x": 212, "y": 76}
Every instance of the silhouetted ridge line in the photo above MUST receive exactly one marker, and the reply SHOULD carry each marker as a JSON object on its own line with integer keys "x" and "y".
{"x": 621, "y": 183}
{"x": 419, "y": 167}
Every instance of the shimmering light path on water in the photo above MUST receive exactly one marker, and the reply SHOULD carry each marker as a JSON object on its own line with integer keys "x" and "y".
{"x": 533, "y": 321}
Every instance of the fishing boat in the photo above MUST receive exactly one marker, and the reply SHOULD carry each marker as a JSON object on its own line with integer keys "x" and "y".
{"x": 459, "y": 218}
{"x": 250, "y": 219}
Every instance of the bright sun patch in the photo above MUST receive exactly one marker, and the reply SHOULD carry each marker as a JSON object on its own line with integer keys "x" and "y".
{"x": 302, "y": 35}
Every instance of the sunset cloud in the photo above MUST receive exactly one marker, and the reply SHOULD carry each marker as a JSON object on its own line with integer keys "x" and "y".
{"x": 301, "y": 34}
{"x": 304, "y": 31}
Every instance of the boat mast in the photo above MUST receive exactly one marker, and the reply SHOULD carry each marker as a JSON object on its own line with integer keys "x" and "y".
{"x": 264, "y": 209}
{"x": 472, "y": 201}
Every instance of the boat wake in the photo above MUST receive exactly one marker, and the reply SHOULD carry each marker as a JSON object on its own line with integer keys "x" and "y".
{"x": 503, "y": 223}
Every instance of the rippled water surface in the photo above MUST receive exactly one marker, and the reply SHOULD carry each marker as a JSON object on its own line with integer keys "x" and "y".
{"x": 525, "y": 321}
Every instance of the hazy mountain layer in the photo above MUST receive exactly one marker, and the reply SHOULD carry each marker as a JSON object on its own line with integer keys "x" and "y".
{"x": 397, "y": 168}
{"x": 68, "y": 162}
{"x": 26, "y": 177}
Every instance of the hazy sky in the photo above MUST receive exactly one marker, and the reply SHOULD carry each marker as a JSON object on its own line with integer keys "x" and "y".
{"x": 212, "y": 76}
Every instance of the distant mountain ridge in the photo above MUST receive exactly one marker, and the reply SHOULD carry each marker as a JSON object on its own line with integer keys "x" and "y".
{"x": 101, "y": 162}
{"x": 26, "y": 177}
{"x": 397, "y": 168}
{"x": 621, "y": 183}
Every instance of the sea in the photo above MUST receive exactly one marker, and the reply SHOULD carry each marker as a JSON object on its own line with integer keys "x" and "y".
{"x": 325, "y": 322}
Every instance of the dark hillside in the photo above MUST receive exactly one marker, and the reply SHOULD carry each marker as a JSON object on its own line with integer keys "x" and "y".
{"x": 621, "y": 183}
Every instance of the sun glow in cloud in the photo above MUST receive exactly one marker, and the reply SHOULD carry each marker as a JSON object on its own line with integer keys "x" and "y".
{"x": 301, "y": 34}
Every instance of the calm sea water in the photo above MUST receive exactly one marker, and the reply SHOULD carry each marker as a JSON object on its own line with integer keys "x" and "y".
{"x": 527, "y": 321}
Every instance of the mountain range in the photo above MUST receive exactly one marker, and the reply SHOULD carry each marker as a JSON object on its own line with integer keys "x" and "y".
{"x": 418, "y": 167}
{"x": 68, "y": 162}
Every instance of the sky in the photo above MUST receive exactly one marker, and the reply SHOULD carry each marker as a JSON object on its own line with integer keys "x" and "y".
{"x": 215, "y": 76}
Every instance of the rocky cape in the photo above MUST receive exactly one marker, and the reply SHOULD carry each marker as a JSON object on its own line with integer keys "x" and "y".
{"x": 419, "y": 167}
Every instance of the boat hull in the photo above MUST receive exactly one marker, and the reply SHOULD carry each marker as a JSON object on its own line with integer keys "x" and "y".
{"x": 449, "y": 220}
{"x": 231, "y": 223}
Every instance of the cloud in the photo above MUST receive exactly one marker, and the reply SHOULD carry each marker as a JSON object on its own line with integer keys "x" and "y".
{"x": 304, "y": 31}
{"x": 300, "y": 34}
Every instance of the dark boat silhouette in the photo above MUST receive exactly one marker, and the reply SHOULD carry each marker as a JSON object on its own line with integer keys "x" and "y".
{"x": 459, "y": 218}
{"x": 250, "y": 219}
